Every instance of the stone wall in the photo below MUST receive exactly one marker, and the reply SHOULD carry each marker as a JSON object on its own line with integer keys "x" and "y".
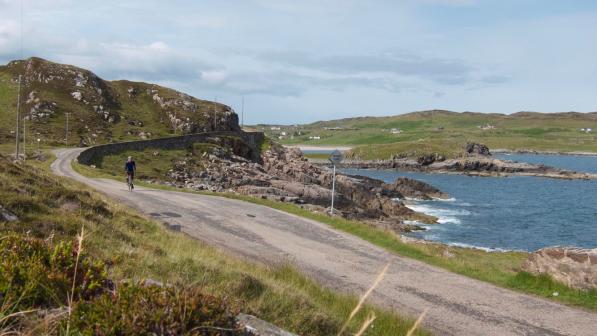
{"x": 575, "y": 267}
{"x": 94, "y": 155}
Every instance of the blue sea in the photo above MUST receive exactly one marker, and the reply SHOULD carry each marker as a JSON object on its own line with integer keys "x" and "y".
{"x": 509, "y": 213}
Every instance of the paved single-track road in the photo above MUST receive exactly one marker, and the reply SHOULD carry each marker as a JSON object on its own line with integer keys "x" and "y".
{"x": 458, "y": 305}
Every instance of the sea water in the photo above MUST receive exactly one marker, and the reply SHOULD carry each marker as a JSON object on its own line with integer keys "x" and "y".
{"x": 508, "y": 213}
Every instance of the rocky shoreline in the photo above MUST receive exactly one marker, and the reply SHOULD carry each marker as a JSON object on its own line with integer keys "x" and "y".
{"x": 283, "y": 174}
{"x": 536, "y": 152}
{"x": 475, "y": 160}
{"x": 471, "y": 166}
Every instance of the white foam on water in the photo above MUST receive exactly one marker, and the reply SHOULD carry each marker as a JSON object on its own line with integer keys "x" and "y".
{"x": 444, "y": 216}
{"x": 482, "y": 248}
{"x": 448, "y": 220}
{"x": 438, "y": 212}
{"x": 444, "y": 199}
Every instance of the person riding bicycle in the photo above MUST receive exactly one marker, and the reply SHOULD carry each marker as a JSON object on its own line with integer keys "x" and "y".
{"x": 130, "y": 167}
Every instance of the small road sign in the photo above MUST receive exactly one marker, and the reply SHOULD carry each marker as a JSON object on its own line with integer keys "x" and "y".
{"x": 336, "y": 157}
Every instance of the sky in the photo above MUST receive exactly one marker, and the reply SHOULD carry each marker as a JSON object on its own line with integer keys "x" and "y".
{"x": 304, "y": 61}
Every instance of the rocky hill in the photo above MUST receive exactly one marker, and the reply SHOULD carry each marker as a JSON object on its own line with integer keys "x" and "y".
{"x": 99, "y": 111}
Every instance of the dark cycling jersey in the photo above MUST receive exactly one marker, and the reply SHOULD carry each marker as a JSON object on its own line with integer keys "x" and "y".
{"x": 130, "y": 167}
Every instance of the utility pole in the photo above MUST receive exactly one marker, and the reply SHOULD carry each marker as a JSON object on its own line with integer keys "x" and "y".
{"x": 17, "y": 135}
{"x": 18, "y": 120}
{"x": 333, "y": 190}
{"x": 242, "y": 113}
{"x": 215, "y": 114}
{"x": 24, "y": 138}
{"x": 66, "y": 133}
{"x": 335, "y": 158}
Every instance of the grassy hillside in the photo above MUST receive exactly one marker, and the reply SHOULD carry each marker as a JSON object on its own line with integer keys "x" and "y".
{"x": 450, "y": 131}
{"x": 99, "y": 111}
{"x": 122, "y": 249}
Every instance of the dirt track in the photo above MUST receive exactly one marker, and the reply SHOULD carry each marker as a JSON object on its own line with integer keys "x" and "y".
{"x": 458, "y": 305}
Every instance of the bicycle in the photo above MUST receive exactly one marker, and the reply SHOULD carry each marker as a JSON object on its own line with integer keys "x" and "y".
{"x": 129, "y": 182}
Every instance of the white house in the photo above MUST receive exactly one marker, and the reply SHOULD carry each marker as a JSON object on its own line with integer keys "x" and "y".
{"x": 396, "y": 131}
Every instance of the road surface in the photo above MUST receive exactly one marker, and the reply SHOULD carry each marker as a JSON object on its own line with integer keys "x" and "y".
{"x": 458, "y": 305}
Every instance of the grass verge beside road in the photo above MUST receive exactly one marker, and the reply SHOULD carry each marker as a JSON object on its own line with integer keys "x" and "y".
{"x": 499, "y": 268}
{"x": 136, "y": 248}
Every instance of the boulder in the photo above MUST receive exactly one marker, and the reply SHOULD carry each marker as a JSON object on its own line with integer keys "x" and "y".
{"x": 575, "y": 267}
{"x": 7, "y": 216}
{"x": 257, "y": 327}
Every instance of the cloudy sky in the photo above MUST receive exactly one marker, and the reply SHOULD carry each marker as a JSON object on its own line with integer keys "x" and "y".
{"x": 302, "y": 61}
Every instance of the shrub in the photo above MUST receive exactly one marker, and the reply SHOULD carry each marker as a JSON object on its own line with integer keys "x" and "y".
{"x": 136, "y": 309}
{"x": 41, "y": 275}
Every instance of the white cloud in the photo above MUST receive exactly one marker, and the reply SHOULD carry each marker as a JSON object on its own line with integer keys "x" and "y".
{"x": 159, "y": 46}
{"x": 9, "y": 34}
{"x": 214, "y": 76}
{"x": 375, "y": 57}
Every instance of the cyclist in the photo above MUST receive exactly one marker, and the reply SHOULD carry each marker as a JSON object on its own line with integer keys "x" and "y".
{"x": 130, "y": 167}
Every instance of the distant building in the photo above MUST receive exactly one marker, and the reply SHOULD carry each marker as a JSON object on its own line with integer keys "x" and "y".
{"x": 396, "y": 131}
{"x": 317, "y": 137}
{"x": 586, "y": 130}
{"x": 283, "y": 133}
{"x": 274, "y": 128}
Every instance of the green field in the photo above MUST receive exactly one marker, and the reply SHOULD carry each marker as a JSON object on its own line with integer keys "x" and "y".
{"x": 447, "y": 132}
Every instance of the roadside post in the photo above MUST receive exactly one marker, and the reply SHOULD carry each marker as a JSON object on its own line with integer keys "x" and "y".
{"x": 335, "y": 158}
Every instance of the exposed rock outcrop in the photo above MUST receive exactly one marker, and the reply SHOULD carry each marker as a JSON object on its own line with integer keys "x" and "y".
{"x": 413, "y": 189}
{"x": 477, "y": 149}
{"x": 285, "y": 175}
{"x": 575, "y": 267}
